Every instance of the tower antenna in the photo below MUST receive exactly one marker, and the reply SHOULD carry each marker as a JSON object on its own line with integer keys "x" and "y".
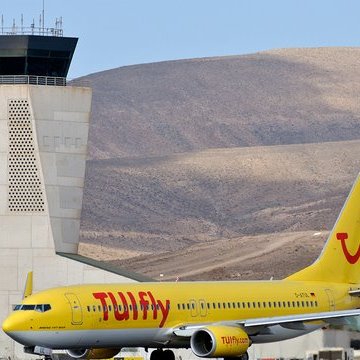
{"x": 43, "y": 17}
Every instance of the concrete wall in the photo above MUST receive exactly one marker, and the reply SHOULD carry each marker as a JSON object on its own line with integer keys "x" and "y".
{"x": 296, "y": 348}
{"x": 43, "y": 145}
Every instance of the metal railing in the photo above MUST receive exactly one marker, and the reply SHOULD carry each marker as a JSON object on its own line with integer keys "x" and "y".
{"x": 32, "y": 80}
{"x": 32, "y": 30}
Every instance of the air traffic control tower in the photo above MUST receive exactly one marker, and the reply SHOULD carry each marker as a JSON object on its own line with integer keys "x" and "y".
{"x": 43, "y": 143}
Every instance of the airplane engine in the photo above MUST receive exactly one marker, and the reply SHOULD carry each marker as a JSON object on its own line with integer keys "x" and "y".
{"x": 219, "y": 341}
{"x": 92, "y": 353}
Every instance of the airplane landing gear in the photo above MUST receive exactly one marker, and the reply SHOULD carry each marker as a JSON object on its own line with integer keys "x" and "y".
{"x": 169, "y": 355}
{"x": 159, "y": 354}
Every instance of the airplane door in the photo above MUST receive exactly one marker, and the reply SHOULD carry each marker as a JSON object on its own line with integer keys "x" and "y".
{"x": 330, "y": 296}
{"x": 76, "y": 311}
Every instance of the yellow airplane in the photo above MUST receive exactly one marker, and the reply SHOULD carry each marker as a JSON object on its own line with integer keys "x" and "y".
{"x": 214, "y": 319}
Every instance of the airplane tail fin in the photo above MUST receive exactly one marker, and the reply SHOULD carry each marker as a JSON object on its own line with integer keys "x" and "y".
{"x": 339, "y": 260}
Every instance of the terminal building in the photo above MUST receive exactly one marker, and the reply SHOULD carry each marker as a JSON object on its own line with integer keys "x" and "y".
{"x": 44, "y": 126}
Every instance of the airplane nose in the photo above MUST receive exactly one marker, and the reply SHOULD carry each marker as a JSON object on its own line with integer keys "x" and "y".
{"x": 13, "y": 323}
{"x": 13, "y": 326}
{"x": 8, "y": 325}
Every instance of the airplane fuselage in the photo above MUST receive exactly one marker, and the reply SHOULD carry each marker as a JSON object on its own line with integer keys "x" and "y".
{"x": 146, "y": 314}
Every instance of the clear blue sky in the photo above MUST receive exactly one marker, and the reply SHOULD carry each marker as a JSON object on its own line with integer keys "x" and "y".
{"x": 115, "y": 33}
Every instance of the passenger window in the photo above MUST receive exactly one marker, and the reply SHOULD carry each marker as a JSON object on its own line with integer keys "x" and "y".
{"x": 274, "y": 304}
{"x": 279, "y": 304}
{"x": 109, "y": 307}
{"x": 264, "y": 304}
{"x": 88, "y": 308}
{"x": 208, "y": 305}
{"x": 254, "y": 304}
{"x": 94, "y": 308}
{"x": 183, "y": 306}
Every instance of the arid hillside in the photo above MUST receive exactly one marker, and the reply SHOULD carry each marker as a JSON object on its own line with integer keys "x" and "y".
{"x": 205, "y": 168}
{"x": 160, "y": 206}
{"x": 278, "y": 97}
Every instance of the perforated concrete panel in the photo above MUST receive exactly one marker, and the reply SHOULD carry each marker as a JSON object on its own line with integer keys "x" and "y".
{"x": 25, "y": 188}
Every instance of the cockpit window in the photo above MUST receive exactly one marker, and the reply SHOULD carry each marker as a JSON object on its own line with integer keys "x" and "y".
{"x": 43, "y": 307}
{"x": 38, "y": 307}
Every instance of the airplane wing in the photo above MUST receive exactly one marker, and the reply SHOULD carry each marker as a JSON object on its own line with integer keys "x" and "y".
{"x": 354, "y": 292}
{"x": 301, "y": 318}
{"x": 289, "y": 321}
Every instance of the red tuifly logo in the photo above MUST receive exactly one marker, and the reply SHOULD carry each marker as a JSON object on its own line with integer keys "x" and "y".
{"x": 352, "y": 259}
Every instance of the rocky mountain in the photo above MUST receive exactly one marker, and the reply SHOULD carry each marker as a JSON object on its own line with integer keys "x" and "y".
{"x": 205, "y": 152}
{"x": 278, "y": 97}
